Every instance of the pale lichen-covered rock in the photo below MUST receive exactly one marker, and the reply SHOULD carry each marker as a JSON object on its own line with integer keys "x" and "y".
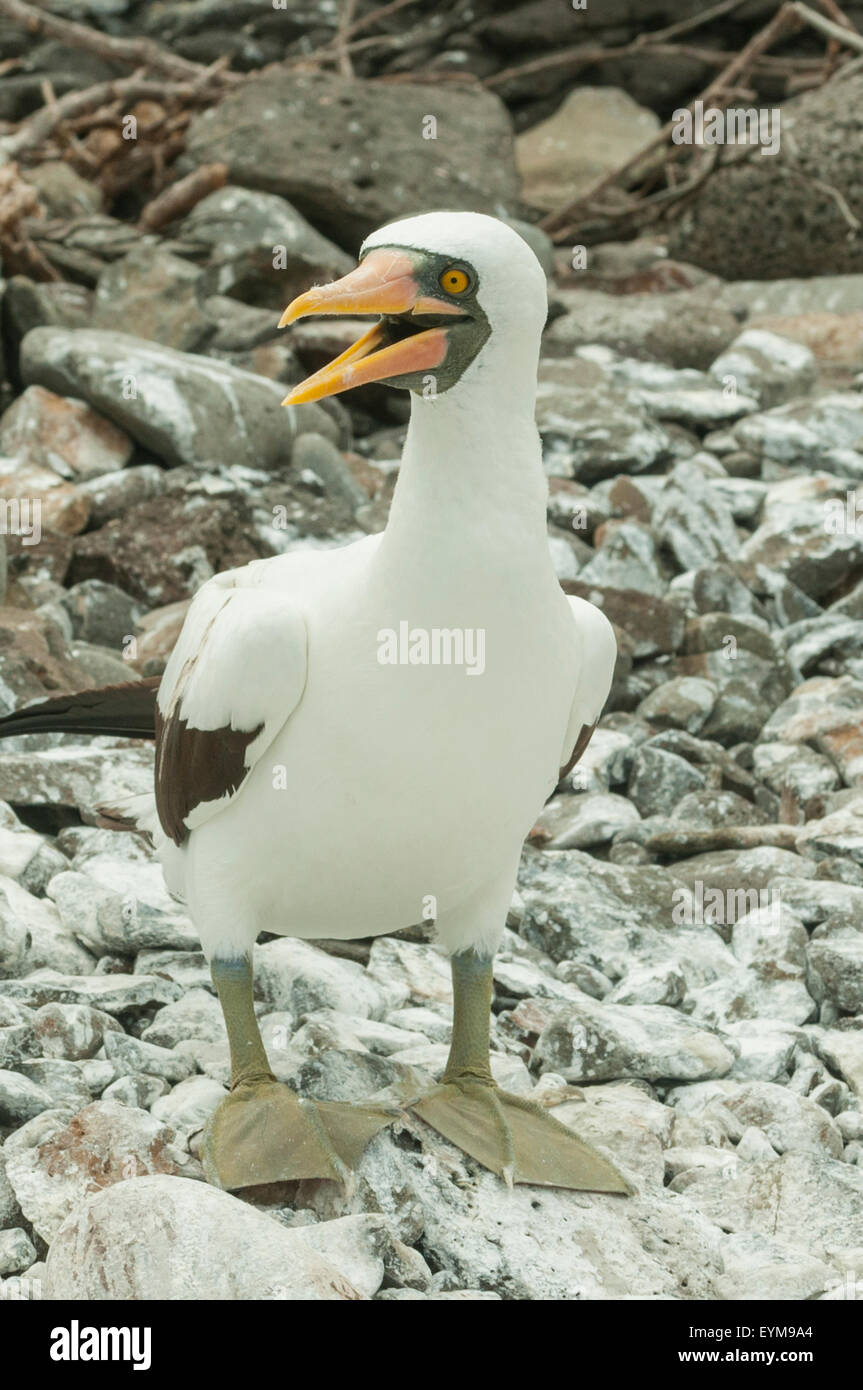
{"x": 164, "y": 1237}
{"x": 51, "y": 1170}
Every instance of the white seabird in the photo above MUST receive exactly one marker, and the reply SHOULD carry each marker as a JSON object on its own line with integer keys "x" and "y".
{"x": 345, "y": 737}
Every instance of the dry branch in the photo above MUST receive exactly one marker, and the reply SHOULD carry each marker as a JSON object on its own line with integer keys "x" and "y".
{"x": 137, "y": 53}
{"x": 182, "y": 196}
{"x": 44, "y": 123}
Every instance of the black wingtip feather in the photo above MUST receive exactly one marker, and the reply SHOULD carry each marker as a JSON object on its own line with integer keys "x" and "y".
{"x": 127, "y": 710}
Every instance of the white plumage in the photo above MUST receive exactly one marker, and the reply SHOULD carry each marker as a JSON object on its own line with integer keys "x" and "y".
{"x": 374, "y": 789}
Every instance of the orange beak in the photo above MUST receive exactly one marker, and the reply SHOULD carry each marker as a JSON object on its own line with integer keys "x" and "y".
{"x": 384, "y": 283}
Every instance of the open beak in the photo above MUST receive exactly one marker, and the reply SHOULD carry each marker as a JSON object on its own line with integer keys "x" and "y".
{"x": 401, "y": 343}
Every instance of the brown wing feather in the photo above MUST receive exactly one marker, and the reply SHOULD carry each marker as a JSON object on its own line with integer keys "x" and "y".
{"x": 584, "y": 737}
{"x": 193, "y": 766}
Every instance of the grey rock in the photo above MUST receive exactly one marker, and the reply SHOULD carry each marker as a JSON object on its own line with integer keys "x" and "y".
{"x": 21, "y": 1099}
{"x": 138, "y": 1091}
{"x": 184, "y": 408}
{"x": 579, "y": 822}
{"x": 685, "y": 702}
{"x": 598, "y": 1042}
{"x": 17, "y": 1252}
{"x": 684, "y": 329}
{"x": 114, "y": 994}
{"x": 836, "y": 964}
{"x": 693, "y": 520}
{"x": 63, "y": 1081}
{"x": 130, "y": 1055}
{"x": 756, "y": 221}
{"x": 192, "y": 1241}
{"x": 627, "y": 559}
{"x": 54, "y": 1167}
{"x": 821, "y": 1199}
{"x": 101, "y": 613}
{"x": 246, "y": 231}
{"x": 197, "y": 1014}
{"x": 766, "y": 366}
{"x": 299, "y": 977}
{"x": 189, "y": 1104}
{"x": 372, "y": 162}
{"x": 157, "y": 292}
{"x": 121, "y": 907}
{"x": 659, "y": 779}
{"x": 590, "y": 432}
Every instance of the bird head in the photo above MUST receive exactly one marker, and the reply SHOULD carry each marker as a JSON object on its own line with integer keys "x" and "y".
{"x": 445, "y": 289}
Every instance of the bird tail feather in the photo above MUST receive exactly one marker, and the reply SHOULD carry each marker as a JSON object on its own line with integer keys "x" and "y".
{"x": 127, "y": 710}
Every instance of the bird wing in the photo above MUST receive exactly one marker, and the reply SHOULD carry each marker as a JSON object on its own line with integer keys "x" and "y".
{"x": 597, "y": 652}
{"x": 236, "y": 675}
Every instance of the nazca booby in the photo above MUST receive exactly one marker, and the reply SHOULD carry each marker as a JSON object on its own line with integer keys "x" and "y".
{"x": 308, "y": 786}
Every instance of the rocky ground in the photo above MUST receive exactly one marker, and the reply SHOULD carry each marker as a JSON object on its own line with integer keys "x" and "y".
{"x": 682, "y": 973}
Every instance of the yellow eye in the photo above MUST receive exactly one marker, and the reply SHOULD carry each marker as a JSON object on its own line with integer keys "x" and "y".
{"x": 454, "y": 281}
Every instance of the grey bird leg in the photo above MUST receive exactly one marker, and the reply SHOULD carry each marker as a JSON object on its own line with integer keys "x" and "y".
{"x": 514, "y": 1137}
{"x": 263, "y": 1132}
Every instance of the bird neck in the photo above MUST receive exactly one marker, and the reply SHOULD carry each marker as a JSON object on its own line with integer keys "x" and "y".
{"x": 471, "y": 481}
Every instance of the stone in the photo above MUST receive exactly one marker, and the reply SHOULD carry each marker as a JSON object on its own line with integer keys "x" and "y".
{"x": 189, "y": 1104}
{"x": 62, "y": 1080}
{"x": 297, "y": 976}
{"x": 161, "y": 551}
{"x": 592, "y": 1247}
{"x": 101, "y": 613}
{"x": 50, "y": 946}
{"x": 63, "y": 192}
{"x": 184, "y": 408}
{"x": 842, "y": 1050}
{"x": 771, "y": 368}
{"x": 72, "y": 1031}
{"x": 626, "y": 558}
{"x": 196, "y": 1014}
{"x": 579, "y": 822}
{"x": 156, "y": 291}
{"x": 684, "y": 329}
{"x": 602, "y": 1042}
{"x": 106, "y": 1142}
{"x": 139, "y": 1092}
{"x": 836, "y": 964}
{"x": 168, "y": 1237}
{"x": 685, "y": 702}
{"x": 796, "y": 766}
{"x": 17, "y": 1252}
{"x": 122, "y": 907}
{"x": 758, "y": 1268}
{"x": 590, "y": 433}
{"x": 807, "y": 1199}
{"x": 792, "y": 1123}
{"x": 130, "y": 1056}
{"x": 110, "y": 494}
{"x": 21, "y": 1099}
{"x": 113, "y": 994}
{"x": 50, "y": 431}
{"x": 659, "y": 779}
{"x": 839, "y": 833}
{"x": 755, "y": 221}
{"x": 244, "y": 230}
{"x": 371, "y": 150}
{"x": 765, "y": 1048}
{"x": 594, "y": 130}
{"x": 693, "y": 521}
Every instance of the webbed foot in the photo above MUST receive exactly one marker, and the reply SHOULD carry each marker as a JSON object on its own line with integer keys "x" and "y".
{"x": 515, "y": 1137}
{"x": 263, "y": 1132}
